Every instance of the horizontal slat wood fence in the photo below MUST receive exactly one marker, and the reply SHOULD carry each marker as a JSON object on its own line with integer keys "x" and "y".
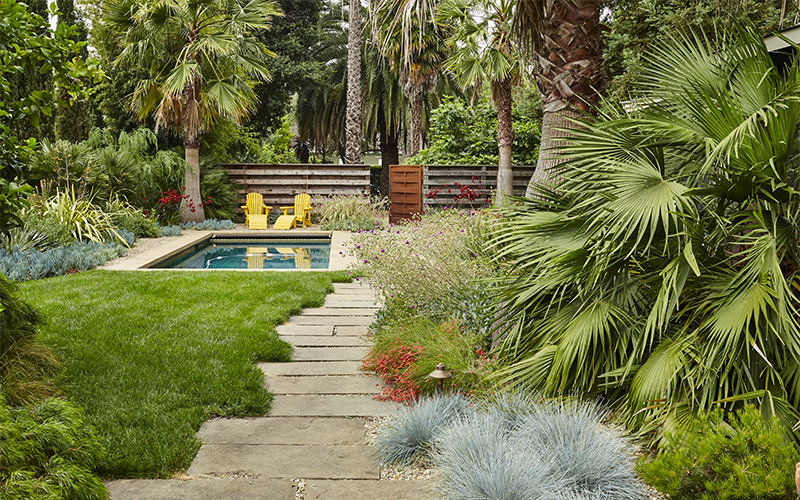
{"x": 481, "y": 179}
{"x": 280, "y": 183}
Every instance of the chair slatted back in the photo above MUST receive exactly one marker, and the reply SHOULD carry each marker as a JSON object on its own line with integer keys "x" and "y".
{"x": 255, "y": 202}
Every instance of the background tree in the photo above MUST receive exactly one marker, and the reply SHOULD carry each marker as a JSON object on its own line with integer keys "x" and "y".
{"x": 408, "y": 36}
{"x": 201, "y": 56}
{"x": 72, "y": 120}
{"x": 483, "y": 51}
{"x": 353, "y": 121}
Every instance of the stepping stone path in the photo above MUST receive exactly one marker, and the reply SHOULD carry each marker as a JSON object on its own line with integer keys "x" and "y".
{"x": 315, "y": 432}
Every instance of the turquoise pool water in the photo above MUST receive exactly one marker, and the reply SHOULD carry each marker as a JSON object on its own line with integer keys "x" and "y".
{"x": 252, "y": 253}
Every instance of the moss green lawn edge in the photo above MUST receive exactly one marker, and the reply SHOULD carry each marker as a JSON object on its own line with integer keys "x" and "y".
{"x": 150, "y": 356}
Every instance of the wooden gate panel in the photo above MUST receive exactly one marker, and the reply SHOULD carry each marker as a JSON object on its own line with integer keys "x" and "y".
{"x": 405, "y": 192}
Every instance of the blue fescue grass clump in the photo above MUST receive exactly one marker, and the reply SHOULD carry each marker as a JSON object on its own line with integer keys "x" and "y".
{"x": 411, "y": 434}
{"x": 32, "y": 264}
{"x": 515, "y": 446}
{"x": 165, "y": 231}
{"x": 209, "y": 225}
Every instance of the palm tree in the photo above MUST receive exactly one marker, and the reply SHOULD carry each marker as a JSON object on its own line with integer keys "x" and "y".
{"x": 664, "y": 270}
{"x": 483, "y": 51}
{"x": 566, "y": 36}
{"x": 408, "y": 36}
{"x": 202, "y": 57}
{"x": 353, "y": 124}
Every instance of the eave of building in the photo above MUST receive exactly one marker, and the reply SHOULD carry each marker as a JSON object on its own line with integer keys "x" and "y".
{"x": 774, "y": 42}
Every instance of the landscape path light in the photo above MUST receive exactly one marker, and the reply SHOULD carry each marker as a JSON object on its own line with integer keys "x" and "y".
{"x": 440, "y": 374}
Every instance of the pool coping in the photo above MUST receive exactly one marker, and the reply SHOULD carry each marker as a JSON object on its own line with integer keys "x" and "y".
{"x": 340, "y": 260}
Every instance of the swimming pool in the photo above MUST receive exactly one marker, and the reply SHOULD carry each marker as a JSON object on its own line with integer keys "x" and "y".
{"x": 232, "y": 252}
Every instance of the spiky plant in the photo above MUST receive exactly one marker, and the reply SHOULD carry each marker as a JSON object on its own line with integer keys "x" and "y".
{"x": 411, "y": 434}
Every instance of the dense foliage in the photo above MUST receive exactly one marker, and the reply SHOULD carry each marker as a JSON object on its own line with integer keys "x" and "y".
{"x": 663, "y": 272}
{"x": 464, "y": 134}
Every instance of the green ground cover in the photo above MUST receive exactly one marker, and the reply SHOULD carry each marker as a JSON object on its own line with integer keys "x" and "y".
{"x": 150, "y": 355}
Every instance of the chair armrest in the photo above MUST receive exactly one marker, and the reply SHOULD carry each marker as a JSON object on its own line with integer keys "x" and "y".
{"x": 286, "y": 208}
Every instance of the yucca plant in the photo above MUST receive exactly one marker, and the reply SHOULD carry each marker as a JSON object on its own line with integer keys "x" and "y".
{"x": 85, "y": 221}
{"x": 663, "y": 270}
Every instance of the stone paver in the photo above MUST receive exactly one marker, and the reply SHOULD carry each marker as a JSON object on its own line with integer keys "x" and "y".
{"x": 328, "y": 406}
{"x": 331, "y": 320}
{"x": 311, "y": 341}
{"x": 285, "y": 461}
{"x": 350, "y": 303}
{"x": 319, "y": 489}
{"x": 330, "y": 353}
{"x": 202, "y": 489}
{"x": 312, "y": 368}
{"x": 283, "y": 430}
{"x": 315, "y": 330}
{"x": 351, "y": 331}
{"x": 340, "y": 311}
{"x": 324, "y": 385}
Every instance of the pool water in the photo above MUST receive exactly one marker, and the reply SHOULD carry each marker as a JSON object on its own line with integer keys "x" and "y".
{"x": 252, "y": 253}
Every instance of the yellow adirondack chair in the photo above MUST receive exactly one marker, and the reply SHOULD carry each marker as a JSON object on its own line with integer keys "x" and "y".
{"x": 302, "y": 259}
{"x": 255, "y": 257}
{"x": 302, "y": 213}
{"x": 255, "y": 206}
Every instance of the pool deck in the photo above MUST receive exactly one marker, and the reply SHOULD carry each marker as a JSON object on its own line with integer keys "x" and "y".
{"x": 338, "y": 261}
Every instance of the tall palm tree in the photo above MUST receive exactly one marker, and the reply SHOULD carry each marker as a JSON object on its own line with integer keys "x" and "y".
{"x": 664, "y": 271}
{"x": 202, "y": 56}
{"x": 408, "y": 36}
{"x": 566, "y": 38}
{"x": 353, "y": 123}
{"x": 483, "y": 51}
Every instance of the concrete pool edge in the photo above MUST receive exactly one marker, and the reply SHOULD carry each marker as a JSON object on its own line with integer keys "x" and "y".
{"x": 338, "y": 261}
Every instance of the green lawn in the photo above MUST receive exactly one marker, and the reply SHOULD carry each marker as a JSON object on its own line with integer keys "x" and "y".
{"x": 150, "y": 355}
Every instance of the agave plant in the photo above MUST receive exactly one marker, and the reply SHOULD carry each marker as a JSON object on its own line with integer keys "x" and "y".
{"x": 663, "y": 270}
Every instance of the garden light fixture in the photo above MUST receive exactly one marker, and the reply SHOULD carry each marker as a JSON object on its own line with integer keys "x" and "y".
{"x": 440, "y": 374}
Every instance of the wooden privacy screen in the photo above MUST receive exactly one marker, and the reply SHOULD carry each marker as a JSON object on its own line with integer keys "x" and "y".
{"x": 453, "y": 185}
{"x": 278, "y": 184}
{"x": 405, "y": 192}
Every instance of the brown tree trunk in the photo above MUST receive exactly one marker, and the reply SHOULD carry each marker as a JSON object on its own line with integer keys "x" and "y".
{"x": 505, "y": 139}
{"x": 416, "y": 122}
{"x": 353, "y": 123}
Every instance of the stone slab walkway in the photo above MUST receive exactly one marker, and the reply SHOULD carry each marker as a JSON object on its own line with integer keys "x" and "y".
{"x": 315, "y": 430}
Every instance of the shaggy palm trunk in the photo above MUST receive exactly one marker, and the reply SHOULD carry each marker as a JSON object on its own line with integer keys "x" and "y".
{"x": 390, "y": 154}
{"x": 416, "y": 121}
{"x": 505, "y": 139}
{"x": 570, "y": 75}
{"x": 191, "y": 205}
{"x": 353, "y": 125}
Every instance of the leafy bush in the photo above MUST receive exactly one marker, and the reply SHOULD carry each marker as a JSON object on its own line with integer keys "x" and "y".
{"x": 446, "y": 251}
{"x": 23, "y": 265}
{"x": 48, "y": 453}
{"x": 350, "y": 212}
{"x": 23, "y": 238}
{"x": 411, "y": 434}
{"x": 209, "y": 225}
{"x": 738, "y": 456}
{"x": 85, "y": 221}
{"x": 405, "y": 352}
{"x": 165, "y": 231}
{"x": 57, "y": 233}
{"x": 25, "y": 364}
{"x": 128, "y": 218}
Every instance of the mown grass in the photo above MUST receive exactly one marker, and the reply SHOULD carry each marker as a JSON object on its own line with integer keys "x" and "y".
{"x": 150, "y": 355}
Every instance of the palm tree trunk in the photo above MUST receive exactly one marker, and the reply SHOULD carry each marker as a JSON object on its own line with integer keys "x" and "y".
{"x": 570, "y": 75}
{"x": 390, "y": 154}
{"x": 505, "y": 139}
{"x": 555, "y": 125}
{"x": 353, "y": 125}
{"x": 191, "y": 205}
{"x": 416, "y": 121}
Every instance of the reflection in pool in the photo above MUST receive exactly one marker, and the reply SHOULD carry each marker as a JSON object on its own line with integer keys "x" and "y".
{"x": 228, "y": 253}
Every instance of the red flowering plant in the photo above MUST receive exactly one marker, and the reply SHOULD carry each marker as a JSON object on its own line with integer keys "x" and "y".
{"x": 405, "y": 352}
{"x": 168, "y": 207}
